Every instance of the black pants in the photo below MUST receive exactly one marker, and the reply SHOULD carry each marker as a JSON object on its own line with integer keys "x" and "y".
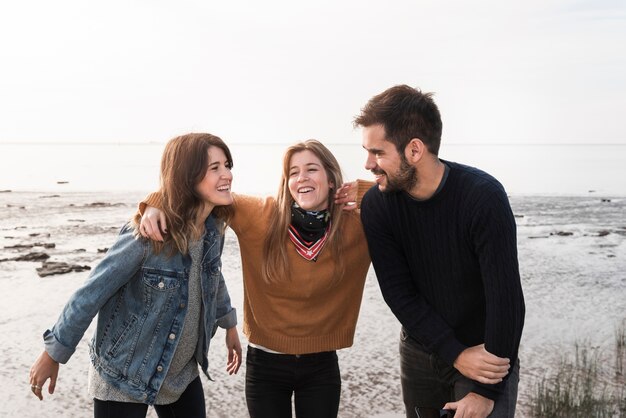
{"x": 428, "y": 381}
{"x": 271, "y": 379}
{"x": 189, "y": 405}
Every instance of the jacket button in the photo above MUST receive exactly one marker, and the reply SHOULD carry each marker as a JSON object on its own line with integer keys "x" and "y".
{"x": 159, "y": 368}
{"x": 172, "y": 336}
{"x": 161, "y": 285}
{"x": 182, "y": 305}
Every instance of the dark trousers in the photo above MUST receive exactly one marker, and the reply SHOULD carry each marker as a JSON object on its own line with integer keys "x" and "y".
{"x": 271, "y": 380}
{"x": 429, "y": 382}
{"x": 189, "y": 405}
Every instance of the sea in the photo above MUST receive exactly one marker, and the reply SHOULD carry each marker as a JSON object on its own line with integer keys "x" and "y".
{"x": 524, "y": 169}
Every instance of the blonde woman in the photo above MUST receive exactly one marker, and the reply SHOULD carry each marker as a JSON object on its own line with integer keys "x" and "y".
{"x": 158, "y": 303}
{"x": 304, "y": 265}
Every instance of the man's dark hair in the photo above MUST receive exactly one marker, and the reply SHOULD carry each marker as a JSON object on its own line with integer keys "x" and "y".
{"x": 405, "y": 113}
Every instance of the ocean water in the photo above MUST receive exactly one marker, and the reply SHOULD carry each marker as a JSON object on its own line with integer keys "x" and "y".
{"x": 523, "y": 169}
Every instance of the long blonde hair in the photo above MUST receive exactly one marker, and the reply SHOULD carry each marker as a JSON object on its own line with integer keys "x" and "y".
{"x": 183, "y": 166}
{"x": 276, "y": 267}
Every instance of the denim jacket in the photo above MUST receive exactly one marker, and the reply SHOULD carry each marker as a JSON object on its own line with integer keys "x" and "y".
{"x": 141, "y": 301}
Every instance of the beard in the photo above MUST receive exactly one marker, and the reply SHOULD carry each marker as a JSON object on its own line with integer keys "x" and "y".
{"x": 403, "y": 179}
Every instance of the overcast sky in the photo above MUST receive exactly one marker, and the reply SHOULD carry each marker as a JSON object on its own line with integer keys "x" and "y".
{"x": 538, "y": 71}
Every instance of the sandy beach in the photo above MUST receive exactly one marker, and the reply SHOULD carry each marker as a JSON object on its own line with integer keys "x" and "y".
{"x": 572, "y": 256}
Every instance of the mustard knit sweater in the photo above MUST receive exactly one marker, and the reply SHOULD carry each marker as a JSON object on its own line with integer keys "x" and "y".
{"x": 312, "y": 310}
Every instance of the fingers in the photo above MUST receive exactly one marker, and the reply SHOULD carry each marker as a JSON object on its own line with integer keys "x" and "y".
{"x": 234, "y": 361}
{"x": 43, "y": 369}
{"x": 149, "y": 228}
{"x": 492, "y": 358}
{"x": 239, "y": 358}
{"x": 491, "y": 374}
{"x": 231, "y": 361}
{"x": 36, "y": 389}
{"x": 144, "y": 228}
{"x": 341, "y": 198}
{"x": 451, "y": 406}
{"x": 36, "y": 386}
{"x": 346, "y": 194}
{"x": 53, "y": 381}
{"x": 478, "y": 364}
{"x": 154, "y": 228}
{"x": 163, "y": 222}
{"x": 488, "y": 381}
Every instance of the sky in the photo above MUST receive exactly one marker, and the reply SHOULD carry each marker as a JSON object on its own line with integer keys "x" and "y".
{"x": 134, "y": 71}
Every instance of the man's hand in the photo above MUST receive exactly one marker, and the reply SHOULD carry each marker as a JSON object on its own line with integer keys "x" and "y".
{"x": 43, "y": 369}
{"x": 346, "y": 195}
{"x": 471, "y": 406}
{"x": 152, "y": 224}
{"x": 480, "y": 365}
{"x": 234, "y": 350}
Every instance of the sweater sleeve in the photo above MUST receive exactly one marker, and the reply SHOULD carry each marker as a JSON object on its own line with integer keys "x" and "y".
{"x": 396, "y": 283}
{"x": 494, "y": 235}
{"x": 154, "y": 199}
{"x": 362, "y": 187}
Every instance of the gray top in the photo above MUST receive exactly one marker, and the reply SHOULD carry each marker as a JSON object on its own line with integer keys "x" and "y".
{"x": 184, "y": 367}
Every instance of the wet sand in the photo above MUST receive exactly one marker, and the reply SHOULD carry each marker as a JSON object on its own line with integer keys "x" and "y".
{"x": 572, "y": 260}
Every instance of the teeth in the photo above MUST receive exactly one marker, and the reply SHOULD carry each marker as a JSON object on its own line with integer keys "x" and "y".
{"x": 305, "y": 190}
{"x": 223, "y": 188}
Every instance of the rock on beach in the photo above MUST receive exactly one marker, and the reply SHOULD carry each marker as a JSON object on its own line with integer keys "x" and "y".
{"x": 59, "y": 267}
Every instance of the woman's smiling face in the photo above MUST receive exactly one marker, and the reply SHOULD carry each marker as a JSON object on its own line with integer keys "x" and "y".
{"x": 308, "y": 181}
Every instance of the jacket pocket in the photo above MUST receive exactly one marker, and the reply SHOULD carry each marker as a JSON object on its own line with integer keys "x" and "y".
{"x": 127, "y": 327}
{"x": 161, "y": 280}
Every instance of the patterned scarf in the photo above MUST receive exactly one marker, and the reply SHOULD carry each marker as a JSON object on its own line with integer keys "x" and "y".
{"x": 308, "y": 231}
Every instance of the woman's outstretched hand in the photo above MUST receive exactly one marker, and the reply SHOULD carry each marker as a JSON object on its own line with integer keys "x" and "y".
{"x": 234, "y": 350}
{"x": 43, "y": 369}
{"x": 152, "y": 224}
{"x": 346, "y": 195}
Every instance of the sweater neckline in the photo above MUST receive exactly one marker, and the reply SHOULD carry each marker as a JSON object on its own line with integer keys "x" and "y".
{"x": 441, "y": 189}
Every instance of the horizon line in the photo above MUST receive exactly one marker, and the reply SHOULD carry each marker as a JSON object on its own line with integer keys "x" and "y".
{"x": 289, "y": 143}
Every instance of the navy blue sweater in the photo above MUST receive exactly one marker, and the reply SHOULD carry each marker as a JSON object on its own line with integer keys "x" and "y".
{"x": 447, "y": 266}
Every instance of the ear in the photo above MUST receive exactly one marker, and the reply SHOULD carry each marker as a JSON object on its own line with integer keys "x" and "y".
{"x": 414, "y": 150}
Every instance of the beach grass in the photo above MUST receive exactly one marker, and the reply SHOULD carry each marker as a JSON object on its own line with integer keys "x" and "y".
{"x": 587, "y": 384}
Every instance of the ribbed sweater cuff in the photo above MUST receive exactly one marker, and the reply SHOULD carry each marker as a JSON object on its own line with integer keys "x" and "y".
{"x": 153, "y": 199}
{"x": 488, "y": 391}
{"x": 362, "y": 187}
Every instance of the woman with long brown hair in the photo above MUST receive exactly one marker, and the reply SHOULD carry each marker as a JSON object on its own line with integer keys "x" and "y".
{"x": 158, "y": 303}
{"x": 304, "y": 264}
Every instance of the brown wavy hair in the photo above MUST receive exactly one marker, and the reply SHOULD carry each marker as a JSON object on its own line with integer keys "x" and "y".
{"x": 276, "y": 267}
{"x": 405, "y": 113}
{"x": 183, "y": 166}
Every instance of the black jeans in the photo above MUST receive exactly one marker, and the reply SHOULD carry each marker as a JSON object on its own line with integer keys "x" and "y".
{"x": 271, "y": 379}
{"x": 427, "y": 381}
{"x": 189, "y": 405}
